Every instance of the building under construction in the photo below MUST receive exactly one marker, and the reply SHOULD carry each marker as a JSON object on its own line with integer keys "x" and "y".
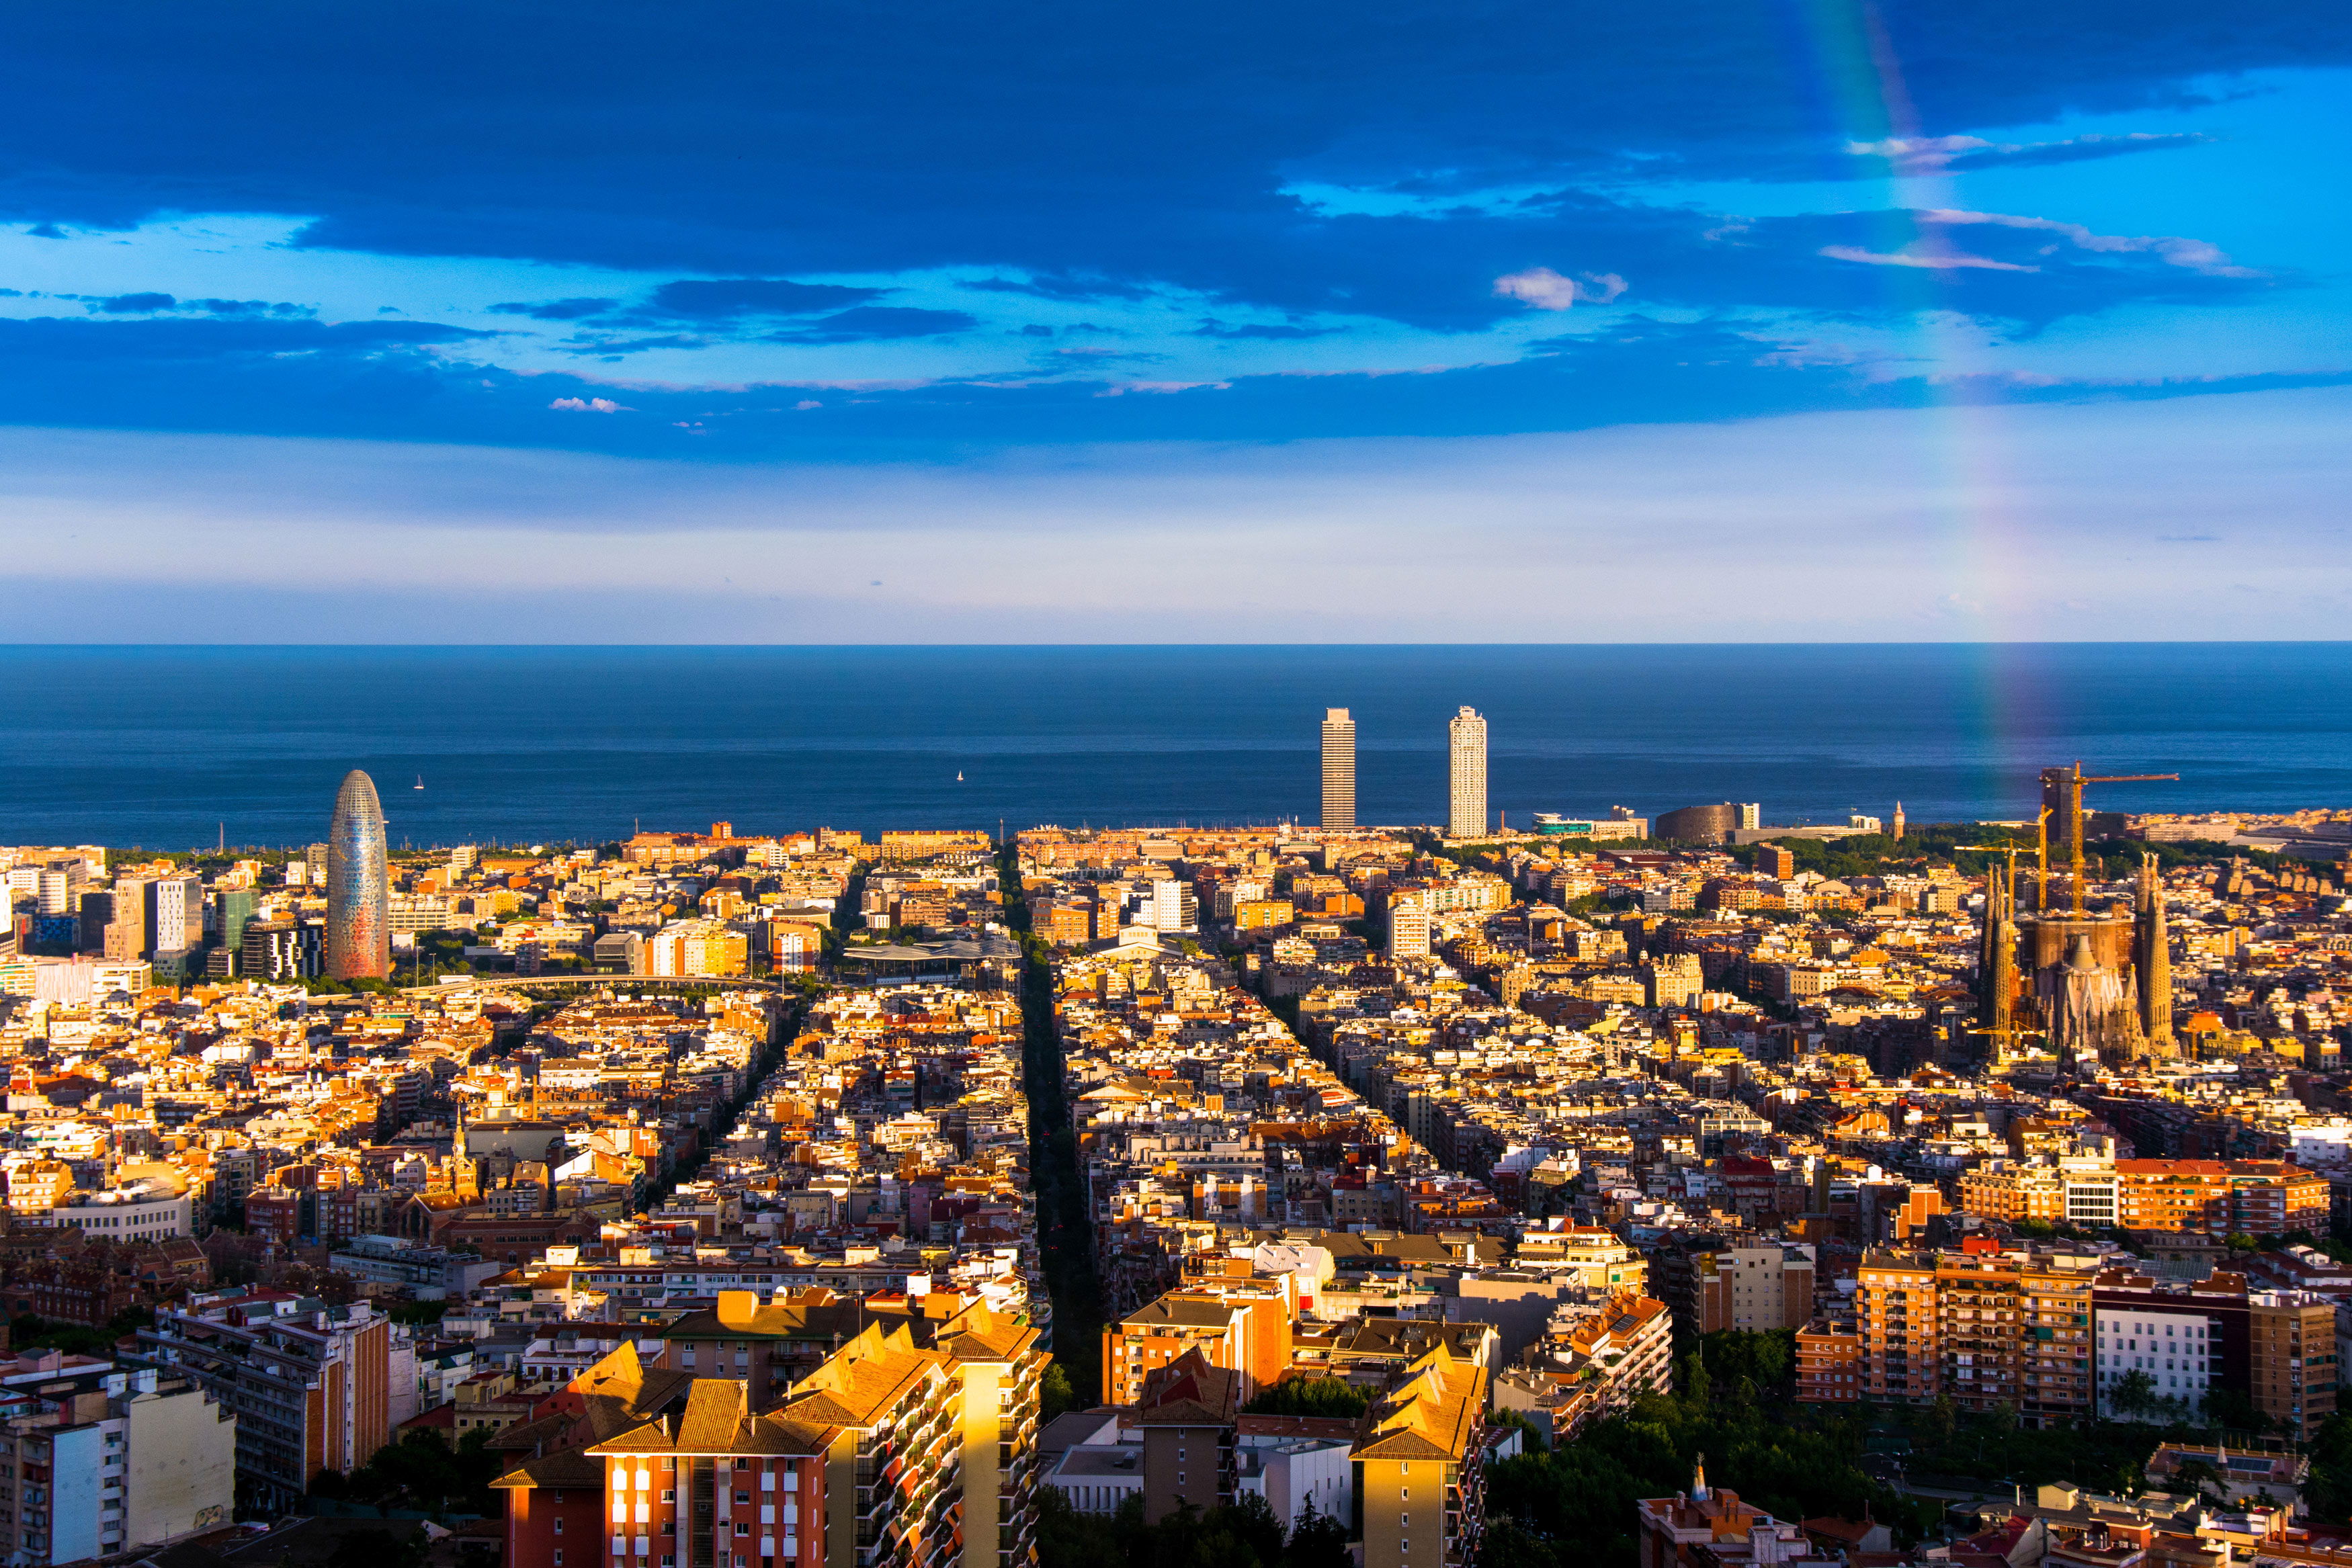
{"x": 2095, "y": 983}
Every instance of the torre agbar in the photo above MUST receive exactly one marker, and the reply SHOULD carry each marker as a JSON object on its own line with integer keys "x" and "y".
{"x": 359, "y": 931}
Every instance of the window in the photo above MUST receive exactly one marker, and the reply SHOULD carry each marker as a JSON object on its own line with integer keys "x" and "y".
{"x": 559, "y": 1557}
{"x": 742, "y": 1527}
{"x": 742, "y": 1497}
{"x": 559, "y": 1525}
{"x": 668, "y": 1495}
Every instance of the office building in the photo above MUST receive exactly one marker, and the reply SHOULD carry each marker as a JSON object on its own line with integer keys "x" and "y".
{"x": 1751, "y": 815}
{"x": 280, "y": 950}
{"x": 1699, "y": 824}
{"x": 1466, "y": 750}
{"x": 232, "y": 912}
{"x": 175, "y": 914}
{"x": 359, "y": 894}
{"x": 1338, "y": 769}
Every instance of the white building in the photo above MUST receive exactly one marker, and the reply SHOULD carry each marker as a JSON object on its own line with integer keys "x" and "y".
{"x": 151, "y": 1208}
{"x": 1466, "y": 748}
{"x": 2178, "y": 1350}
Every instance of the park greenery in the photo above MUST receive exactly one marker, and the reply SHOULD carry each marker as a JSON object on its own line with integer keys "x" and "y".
{"x": 1245, "y": 1534}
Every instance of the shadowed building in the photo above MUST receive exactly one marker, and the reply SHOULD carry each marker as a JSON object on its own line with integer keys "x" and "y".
{"x": 359, "y": 926}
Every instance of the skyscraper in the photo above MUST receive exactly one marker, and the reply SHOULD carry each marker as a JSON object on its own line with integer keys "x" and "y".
{"x": 359, "y": 931}
{"x": 1468, "y": 735}
{"x": 1338, "y": 769}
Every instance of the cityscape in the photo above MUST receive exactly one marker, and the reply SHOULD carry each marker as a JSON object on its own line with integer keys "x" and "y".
{"x": 963, "y": 1195}
{"x": 1515, "y": 785}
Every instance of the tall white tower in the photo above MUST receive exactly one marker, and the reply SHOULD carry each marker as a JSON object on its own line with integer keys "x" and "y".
{"x": 1467, "y": 734}
{"x": 1338, "y": 769}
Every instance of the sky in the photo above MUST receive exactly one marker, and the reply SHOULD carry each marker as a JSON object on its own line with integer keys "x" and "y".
{"x": 1725, "y": 320}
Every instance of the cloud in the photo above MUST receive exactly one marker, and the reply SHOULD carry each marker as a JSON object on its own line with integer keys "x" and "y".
{"x": 2195, "y": 255}
{"x": 557, "y": 310}
{"x": 1262, "y": 330}
{"x": 877, "y": 323}
{"x": 129, "y": 304}
{"x": 1540, "y": 286}
{"x": 1931, "y": 259}
{"x": 1962, "y": 155}
{"x": 589, "y": 405}
{"x": 719, "y": 298}
{"x": 1051, "y": 286}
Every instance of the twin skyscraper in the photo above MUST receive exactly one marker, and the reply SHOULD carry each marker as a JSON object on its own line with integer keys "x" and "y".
{"x": 1465, "y": 773}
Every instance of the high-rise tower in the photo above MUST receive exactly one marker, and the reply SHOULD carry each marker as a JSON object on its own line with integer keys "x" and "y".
{"x": 359, "y": 931}
{"x": 2153, "y": 962}
{"x": 1467, "y": 751}
{"x": 1895, "y": 831}
{"x": 1338, "y": 769}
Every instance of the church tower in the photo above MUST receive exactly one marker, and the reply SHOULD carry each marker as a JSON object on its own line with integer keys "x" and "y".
{"x": 2153, "y": 961}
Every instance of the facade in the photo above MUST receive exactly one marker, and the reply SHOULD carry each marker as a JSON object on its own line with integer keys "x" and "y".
{"x": 1420, "y": 1467}
{"x": 1699, "y": 824}
{"x": 111, "y": 1463}
{"x": 1338, "y": 769}
{"x": 152, "y": 1208}
{"x": 175, "y": 914}
{"x": 310, "y": 1384}
{"x": 1466, "y": 770}
{"x": 1983, "y": 1328}
{"x": 1762, "y": 1288}
{"x": 1188, "y": 1419}
{"x": 359, "y": 894}
{"x": 1408, "y": 929}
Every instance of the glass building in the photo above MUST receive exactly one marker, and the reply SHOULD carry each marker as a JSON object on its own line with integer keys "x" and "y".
{"x": 359, "y": 927}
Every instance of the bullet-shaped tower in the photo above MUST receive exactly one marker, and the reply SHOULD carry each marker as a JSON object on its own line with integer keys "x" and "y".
{"x": 359, "y": 893}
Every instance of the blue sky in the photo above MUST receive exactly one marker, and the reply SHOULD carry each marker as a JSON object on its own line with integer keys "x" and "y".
{"x": 1268, "y": 322}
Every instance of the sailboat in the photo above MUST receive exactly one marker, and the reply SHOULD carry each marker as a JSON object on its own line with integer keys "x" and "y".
{"x": 958, "y": 775}
{"x": 420, "y": 781}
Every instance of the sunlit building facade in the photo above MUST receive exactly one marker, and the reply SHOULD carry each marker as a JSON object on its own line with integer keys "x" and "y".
{"x": 359, "y": 896}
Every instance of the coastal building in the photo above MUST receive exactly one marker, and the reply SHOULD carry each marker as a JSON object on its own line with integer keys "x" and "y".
{"x": 1338, "y": 769}
{"x": 1466, "y": 771}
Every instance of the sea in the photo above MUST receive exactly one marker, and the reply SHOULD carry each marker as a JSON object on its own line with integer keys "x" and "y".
{"x": 180, "y": 748}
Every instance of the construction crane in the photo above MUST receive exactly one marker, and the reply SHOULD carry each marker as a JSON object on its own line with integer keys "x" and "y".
{"x": 2062, "y": 795}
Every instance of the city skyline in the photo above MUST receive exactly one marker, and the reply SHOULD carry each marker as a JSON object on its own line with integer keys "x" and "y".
{"x": 1904, "y": 323}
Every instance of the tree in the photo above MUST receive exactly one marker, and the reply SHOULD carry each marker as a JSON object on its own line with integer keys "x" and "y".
{"x": 1055, "y": 1393}
{"x": 1326, "y": 1396}
{"x": 2133, "y": 1397}
{"x": 1318, "y": 1540}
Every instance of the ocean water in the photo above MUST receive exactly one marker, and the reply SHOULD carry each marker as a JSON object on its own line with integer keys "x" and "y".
{"x": 170, "y": 746}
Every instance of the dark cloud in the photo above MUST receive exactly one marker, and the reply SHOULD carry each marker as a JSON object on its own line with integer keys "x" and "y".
{"x": 402, "y": 381}
{"x": 1257, "y": 330}
{"x": 1062, "y": 288}
{"x": 1064, "y": 153}
{"x": 557, "y": 310}
{"x": 133, "y": 304}
{"x": 696, "y": 299}
{"x": 875, "y": 323}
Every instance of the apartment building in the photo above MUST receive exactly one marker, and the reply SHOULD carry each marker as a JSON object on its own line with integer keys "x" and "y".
{"x": 1420, "y": 1467}
{"x": 2190, "y": 1338}
{"x": 310, "y": 1384}
{"x": 1983, "y": 1327}
{"x": 1189, "y": 1419}
{"x": 113, "y": 1461}
{"x": 1703, "y": 1528}
{"x": 1760, "y": 1287}
{"x": 1242, "y": 1325}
